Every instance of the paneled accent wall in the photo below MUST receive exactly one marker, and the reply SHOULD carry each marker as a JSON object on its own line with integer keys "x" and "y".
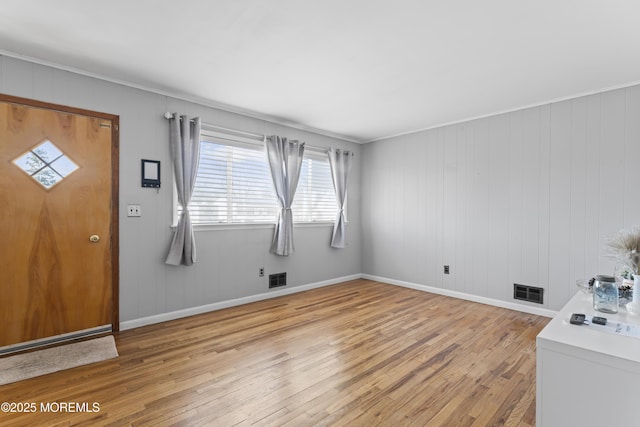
{"x": 228, "y": 259}
{"x": 526, "y": 197}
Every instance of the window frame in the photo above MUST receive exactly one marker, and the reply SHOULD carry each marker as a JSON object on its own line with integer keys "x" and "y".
{"x": 252, "y": 143}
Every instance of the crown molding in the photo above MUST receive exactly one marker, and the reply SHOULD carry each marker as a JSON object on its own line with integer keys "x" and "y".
{"x": 181, "y": 96}
{"x": 510, "y": 110}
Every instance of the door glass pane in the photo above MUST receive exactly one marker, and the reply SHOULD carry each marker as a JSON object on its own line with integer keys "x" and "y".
{"x": 30, "y": 163}
{"x": 64, "y": 166}
{"x": 46, "y": 164}
{"x": 47, "y": 177}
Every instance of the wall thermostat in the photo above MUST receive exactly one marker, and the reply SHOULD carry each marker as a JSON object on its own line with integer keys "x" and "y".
{"x": 150, "y": 173}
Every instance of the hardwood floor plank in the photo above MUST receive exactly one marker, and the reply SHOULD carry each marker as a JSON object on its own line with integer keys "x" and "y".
{"x": 356, "y": 353}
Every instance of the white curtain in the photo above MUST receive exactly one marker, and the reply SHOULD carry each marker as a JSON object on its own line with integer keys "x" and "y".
{"x": 184, "y": 142}
{"x": 340, "y": 163}
{"x": 285, "y": 162}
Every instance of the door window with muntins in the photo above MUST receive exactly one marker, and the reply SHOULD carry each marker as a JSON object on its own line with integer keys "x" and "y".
{"x": 46, "y": 164}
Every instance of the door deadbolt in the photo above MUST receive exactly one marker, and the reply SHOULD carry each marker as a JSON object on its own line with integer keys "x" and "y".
{"x": 94, "y": 238}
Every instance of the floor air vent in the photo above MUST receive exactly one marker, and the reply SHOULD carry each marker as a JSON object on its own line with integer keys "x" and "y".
{"x": 527, "y": 293}
{"x": 277, "y": 280}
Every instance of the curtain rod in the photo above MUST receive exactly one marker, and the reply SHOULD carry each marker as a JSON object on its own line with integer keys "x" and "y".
{"x": 251, "y": 135}
{"x": 168, "y": 115}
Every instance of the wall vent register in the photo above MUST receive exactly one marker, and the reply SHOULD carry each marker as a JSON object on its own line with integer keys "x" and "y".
{"x": 527, "y": 293}
{"x": 277, "y": 280}
{"x": 46, "y": 164}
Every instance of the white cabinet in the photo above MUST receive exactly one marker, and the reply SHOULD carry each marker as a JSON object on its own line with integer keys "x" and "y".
{"x": 586, "y": 377}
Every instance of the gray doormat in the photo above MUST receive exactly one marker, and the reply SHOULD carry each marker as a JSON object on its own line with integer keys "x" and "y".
{"x": 41, "y": 362}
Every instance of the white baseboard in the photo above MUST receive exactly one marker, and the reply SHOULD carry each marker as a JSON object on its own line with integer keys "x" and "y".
{"x": 483, "y": 300}
{"x": 136, "y": 323}
{"x": 178, "y": 314}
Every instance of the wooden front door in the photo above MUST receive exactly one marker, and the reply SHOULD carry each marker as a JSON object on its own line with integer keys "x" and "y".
{"x": 58, "y": 220}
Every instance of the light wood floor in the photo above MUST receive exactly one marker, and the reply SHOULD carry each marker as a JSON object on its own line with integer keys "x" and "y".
{"x": 360, "y": 353}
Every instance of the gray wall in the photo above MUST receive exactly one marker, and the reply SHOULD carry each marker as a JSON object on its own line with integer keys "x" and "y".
{"x": 229, "y": 259}
{"x": 526, "y": 197}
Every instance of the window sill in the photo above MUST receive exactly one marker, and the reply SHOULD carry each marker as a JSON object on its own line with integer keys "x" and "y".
{"x": 261, "y": 226}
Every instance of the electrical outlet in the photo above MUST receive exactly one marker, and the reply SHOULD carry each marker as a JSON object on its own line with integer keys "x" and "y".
{"x": 446, "y": 269}
{"x": 261, "y": 273}
{"x": 134, "y": 210}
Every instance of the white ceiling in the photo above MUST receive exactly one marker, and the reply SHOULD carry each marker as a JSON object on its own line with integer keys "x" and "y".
{"x": 359, "y": 69}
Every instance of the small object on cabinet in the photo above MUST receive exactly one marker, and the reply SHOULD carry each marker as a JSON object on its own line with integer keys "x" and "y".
{"x": 577, "y": 319}
{"x": 599, "y": 320}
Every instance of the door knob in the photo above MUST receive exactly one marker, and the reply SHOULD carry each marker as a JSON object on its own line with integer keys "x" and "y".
{"x": 94, "y": 238}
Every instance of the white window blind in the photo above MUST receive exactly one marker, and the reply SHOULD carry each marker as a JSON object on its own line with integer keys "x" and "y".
{"x": 315, "y": 199}
{"x": 233, "y": 186}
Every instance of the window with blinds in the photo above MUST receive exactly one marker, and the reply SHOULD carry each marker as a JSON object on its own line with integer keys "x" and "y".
{"x": 315, "y": 199}
{"x": 233, "y": 186}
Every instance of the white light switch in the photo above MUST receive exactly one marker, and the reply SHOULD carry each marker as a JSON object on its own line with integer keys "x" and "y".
{"x": 134, "y": 210}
